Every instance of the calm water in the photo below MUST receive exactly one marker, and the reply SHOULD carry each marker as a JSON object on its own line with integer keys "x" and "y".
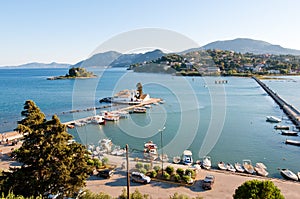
{"x": 225, "y": 121}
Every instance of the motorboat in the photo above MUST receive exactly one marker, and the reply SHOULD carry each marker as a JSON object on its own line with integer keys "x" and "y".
{"x": 147, "y": 106}
{"x": 261, "y": 169}
{"x": 206, "y": 162}
{"x": 286, "y": 173}
{"x": 293, "y": 142}
{"x": 248, "y": 166}
{"x": 163, "y": 157}
{"x": 98, "y": 119}
{"x": 150, "y": 150}
{"x": 176, "y": 159}
{"x": 230, "y": 167}
{"x": 298, "y": 174}
{"x": 108, "y": 116}
{"x": 222, "y": 166}
{"x": 289, "y": 133}
{"x": 273, "y": 119}
{"x": 239, "y": 167}
{"x": 187, "y": 157}
{"x": 139, "y": 110}
{"x": 281, "y": 127}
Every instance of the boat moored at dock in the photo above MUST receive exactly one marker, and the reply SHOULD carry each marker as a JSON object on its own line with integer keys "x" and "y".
{"x": 293, "y": 142}
{"x": 248, "y": 166}
{"x": 273, "y": 119}
{"x": 288, "y": 174}
{"x": 239, "y": 167}
{"x": 281, "y": 127}
{"x": 261, "y": 169}
{"x": 206, "y": 162}
{"x": 289, "y": 133}
{"x": 187, "y": 158}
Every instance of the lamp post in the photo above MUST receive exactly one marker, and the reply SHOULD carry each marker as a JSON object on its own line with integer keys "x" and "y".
{"x": 162, "y": 153}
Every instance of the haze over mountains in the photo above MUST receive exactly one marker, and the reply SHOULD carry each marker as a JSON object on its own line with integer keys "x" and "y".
{"x": 116, "y": 59}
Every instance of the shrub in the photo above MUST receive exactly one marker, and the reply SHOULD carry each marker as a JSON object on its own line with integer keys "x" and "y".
{"x": 182, "y": 196}
{"x": 180, "y": 171}
{"x": 104, "y": 161}
{"x": 90, "y": 162}
{"x": 152, "y": 174}
{"x": 186, "y": 178}
{"x": 138, "y": 165}
{"x": 97, "y": 163}
{"x": 135, "y": 195}
{"x": 177, "y": 177}
{"x": 90, "y": 195}
{"x": 142, "y": 170}
{"x": 190, "y": 172}
{"x": 166, "y": 176}
{"x": 258, "y": 189}
{"x": 170, "y": 170}
{"x": 147, "y": 167}
{"x": 156, "y": 168}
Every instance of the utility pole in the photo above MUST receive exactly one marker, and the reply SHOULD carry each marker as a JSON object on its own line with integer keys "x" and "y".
{"x": 162, "y": 153}
{"x": 128, "y": 178}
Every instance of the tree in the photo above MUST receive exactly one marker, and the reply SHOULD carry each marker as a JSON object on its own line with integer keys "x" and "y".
{"x": 139, "y": 88}
{"x": 50, "y": 164}
{"x": 256, "y": 189}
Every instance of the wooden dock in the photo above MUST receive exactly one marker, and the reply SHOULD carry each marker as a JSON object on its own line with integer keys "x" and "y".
{"x": 292, "y": 112}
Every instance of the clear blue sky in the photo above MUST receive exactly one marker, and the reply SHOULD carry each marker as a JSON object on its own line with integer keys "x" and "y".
{"x": 67, "y": 31}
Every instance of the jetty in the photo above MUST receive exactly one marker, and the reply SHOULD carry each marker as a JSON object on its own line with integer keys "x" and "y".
{"x": 292, "y": 112}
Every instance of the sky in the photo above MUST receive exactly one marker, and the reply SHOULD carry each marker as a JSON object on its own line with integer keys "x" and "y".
{"x": 68, "y": 31}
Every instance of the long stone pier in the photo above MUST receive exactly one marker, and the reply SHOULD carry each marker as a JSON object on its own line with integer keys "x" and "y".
{"x": 292, "y": 112}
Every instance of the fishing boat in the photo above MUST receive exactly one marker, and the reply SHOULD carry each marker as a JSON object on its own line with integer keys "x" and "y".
{"x": 289, "y": 133}
{"x": 150, "y": 150}
{"x": 293, "y": 142}
{"x": 261, "y": 169}
{"x": 206, "y": 162}
{"x": 281, "y": 127}
{"x": 187, "y": 158}
{"x": 239, "y": 167}
{"x": 230, "y": 167}
{"x": 176, "y": 159}
{"x": 273, "y": 119}
{"x": 222, "y": 166}
{"x": 248, "y": 166}
{"x": 286, "y": 173}
{"x": 139, "y": 110}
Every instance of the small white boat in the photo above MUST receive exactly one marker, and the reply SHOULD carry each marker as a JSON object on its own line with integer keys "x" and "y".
{"x": 298, "y": 174}
{"x": 147, "y": 106}
{"x": 222, "y": 166}
{"x": 248, "y": 166}
{"x": 288, "y": 174}
{"x": 230, "y": 167}
{"x": 239, "y": 167}
{"x": 140, "y": 110}
{"x": 98, "y": 119}
{"x": 176, "y": 159}
{"x": 206, "y": 162}
{"x": 281, "y": 127}
{"x": 163, "y": 158}
{"x": 289, "y": 133}
{"x": 273, "y": 119}
{"x": 261, "y": 169}
{"x": 293, "y": 142}
{"x": 187, "y": 158}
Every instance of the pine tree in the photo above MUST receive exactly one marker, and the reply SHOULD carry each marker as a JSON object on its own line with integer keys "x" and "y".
{"x": 50, "y": 164}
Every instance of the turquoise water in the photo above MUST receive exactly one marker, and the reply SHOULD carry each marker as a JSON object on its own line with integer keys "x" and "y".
{"x": 225, "y": 121}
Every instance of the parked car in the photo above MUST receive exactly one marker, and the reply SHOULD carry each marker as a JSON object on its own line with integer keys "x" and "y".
{"x": 139, "y": 177}
{"x": 208, "y": 182}
{"x": 105, "y": 173}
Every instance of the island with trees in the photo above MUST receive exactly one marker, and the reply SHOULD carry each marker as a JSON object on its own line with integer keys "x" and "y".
{"x": 75, "y": 72}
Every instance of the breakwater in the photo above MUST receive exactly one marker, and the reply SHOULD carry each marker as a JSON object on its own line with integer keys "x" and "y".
{"x": 292, "y": 112}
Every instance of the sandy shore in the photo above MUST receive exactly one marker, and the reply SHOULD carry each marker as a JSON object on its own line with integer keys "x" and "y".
{"x": 224, "y": 187}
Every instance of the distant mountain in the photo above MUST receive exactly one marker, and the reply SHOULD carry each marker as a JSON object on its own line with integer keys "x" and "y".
{"x": 244, "y": 45}
{"x": 100, "y": 59}
{"x": 39, "y": 65}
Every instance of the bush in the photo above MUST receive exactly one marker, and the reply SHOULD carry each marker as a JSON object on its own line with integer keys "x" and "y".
{"x": 258, "y": 189}
{"x": 104, "y": 161}
{"x": 142, "y": 170}
{"x": 170, "y": 170}
{"x": 135, "y": 195}
{"x": 190, "y": 172}
{"x": 180, "y": 171}
{"x": 177, "y": 177}
{"x": 90, "y": 162}
{"x": 182, "y": 196}
{"x": 156, "y": 168}
{"x": 166, "y": 176}
{"x": 90, "y": 195}
{"x": 186, "y": 178}
{"x": 147, "y": 167}
{"x": 138, "y": 165}
{"x": 97, "y": 163}
{"x": 152, "y": 174}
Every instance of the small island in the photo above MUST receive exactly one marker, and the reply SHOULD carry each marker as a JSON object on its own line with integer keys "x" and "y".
{"x": 75, "y": 72}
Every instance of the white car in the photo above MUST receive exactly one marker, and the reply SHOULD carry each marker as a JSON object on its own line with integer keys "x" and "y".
{"x": 140, "y": 177}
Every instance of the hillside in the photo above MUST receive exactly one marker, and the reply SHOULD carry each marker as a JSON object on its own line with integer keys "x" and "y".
{"x": 39, "y": 65}
{"x": 244, "y": 45}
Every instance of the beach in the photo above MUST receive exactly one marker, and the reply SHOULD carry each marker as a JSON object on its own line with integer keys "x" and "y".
{"x": 224, "y": 186}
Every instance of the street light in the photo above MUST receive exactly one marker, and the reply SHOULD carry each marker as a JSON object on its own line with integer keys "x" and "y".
{"x": 161, "y": 142}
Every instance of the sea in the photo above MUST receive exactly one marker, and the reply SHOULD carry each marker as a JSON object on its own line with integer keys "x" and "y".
{"x": 220, "y": 117}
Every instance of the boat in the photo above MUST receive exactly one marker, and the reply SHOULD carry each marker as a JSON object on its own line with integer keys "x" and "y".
{"x": 105, "y": 145}
{"x": 248, "y": 166}
{"x": 293, "y": 142}
{"x": 206, "y": 162}
{"x": 230, "y": 167}
{"x": 98, "y": 119}
{"x": 222, "y": 166}
{"x": 298, "y": 174}
{"x": 261, "y": 169}
{"x": 187, "y": 158}
{"x": 281, "y": 127}
{"x": 147, "y": 106}
{"x": 239, "y": 167}
{"x": 286, "y": 173}
{"x": 176, "y": 159}
{"x": 273, "y": 119}
{"x": 70, "y": 126}
{"x": 163, "y": 158}
{"x": 139, "y": 110}
{"x": 289, "y": 133}
{"x": 150, "y": 150}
